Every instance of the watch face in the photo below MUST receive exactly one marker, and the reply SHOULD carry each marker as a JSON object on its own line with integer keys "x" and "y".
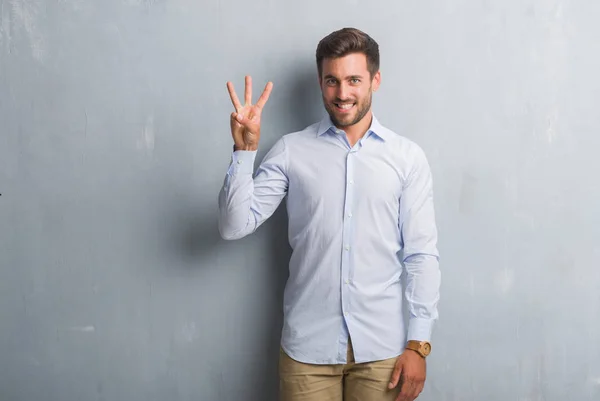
{"x": 426, "y": 348}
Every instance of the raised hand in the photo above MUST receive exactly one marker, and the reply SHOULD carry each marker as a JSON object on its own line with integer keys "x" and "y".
{"x": 245, "y": 121}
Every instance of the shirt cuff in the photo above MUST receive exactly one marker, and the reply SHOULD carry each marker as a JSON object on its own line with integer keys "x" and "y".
{"x": 242, "y": 162}
{"x": 420, "y": 329}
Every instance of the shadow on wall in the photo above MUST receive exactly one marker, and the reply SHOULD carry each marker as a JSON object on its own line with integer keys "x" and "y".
{"x": 306, "y": 103}
{"x": 296, "y": 100}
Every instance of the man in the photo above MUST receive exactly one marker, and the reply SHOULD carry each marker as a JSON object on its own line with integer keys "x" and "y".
{"x": 357, "y": 196}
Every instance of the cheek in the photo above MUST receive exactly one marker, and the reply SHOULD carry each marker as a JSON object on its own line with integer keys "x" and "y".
{"x": 363, "y": 94}
{"x": 358, "y": 95}
{"x": 329, "y": 93}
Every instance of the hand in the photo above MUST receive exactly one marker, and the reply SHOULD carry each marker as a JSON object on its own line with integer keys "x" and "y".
{"x": 409, "y": 372}
{"x": 245, "y": 121}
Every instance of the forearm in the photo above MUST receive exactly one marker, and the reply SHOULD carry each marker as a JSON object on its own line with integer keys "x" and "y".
{"x": 422, "y": 294}
{"x": 245, "y": 202}
{"x": 236, "y": 219}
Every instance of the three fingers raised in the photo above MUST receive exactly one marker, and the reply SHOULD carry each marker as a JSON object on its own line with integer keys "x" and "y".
{"x": 248, "y": 95}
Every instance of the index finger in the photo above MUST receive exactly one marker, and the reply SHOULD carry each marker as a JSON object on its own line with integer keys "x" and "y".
{"x": 233, "y": 96}
{"x": 395, "y": 376}
{"x": 262, "y": 100}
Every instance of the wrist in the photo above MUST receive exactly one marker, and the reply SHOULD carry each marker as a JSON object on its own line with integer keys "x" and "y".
{"x": 423, "y": 348}
{"x": 413, "y": 352}
{"x": 245, "y": 147}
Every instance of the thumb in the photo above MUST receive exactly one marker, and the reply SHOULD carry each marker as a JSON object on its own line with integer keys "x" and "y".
{"x": 251, "y": 124}
{"x": 395, "y": 375}
{"x": 242, "y": 119}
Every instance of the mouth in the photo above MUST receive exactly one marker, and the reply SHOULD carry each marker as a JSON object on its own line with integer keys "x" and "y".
{"x": 344, "y": 107}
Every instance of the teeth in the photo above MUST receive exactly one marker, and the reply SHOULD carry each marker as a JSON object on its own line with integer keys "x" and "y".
{"x": 345, "y": 106}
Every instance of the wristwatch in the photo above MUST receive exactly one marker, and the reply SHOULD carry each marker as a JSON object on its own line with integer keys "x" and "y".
{"x": 423, "y": 348}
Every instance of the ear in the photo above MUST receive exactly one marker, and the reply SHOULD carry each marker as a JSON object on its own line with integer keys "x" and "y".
{"x": 376, "y": 81}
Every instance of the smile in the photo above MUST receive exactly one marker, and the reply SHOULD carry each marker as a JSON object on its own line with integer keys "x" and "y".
{"x": 344, "y": 106}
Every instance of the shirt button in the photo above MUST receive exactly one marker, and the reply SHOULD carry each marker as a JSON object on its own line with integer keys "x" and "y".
{"x": 349, "y": 214}
{"x": 347, "y": 281}
{"x": 347, "y": 247}
{"x": 351, "y": 181}
{"x": 239, "y": 162}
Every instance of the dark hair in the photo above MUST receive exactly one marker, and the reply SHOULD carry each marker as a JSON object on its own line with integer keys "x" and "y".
{"x": 347, "y": 41}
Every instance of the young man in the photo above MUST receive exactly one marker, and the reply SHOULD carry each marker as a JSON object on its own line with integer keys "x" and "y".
{"x": 357, "y": 196}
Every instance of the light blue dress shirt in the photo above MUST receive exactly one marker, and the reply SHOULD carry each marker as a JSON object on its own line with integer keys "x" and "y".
{"x": 353, "y": 212}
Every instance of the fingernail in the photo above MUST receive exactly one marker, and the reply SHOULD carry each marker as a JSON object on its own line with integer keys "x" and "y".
{"x": 239, "y": 117}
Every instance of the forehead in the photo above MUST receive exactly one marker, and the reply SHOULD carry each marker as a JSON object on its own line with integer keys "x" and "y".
{"x": 351, "y": 64}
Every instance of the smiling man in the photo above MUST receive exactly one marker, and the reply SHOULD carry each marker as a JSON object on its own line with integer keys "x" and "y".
{"x": 360, "y": 209}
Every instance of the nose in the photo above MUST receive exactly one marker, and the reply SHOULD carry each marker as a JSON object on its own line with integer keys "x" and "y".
{"x": 342, "y": 92}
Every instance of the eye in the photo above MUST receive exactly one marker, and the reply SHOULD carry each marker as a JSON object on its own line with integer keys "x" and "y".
{"x": 355, "y": 80}
{"x": 330, "y": 82}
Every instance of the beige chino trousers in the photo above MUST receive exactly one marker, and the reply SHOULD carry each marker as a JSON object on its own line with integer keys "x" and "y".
{"x": 350, "y": 382}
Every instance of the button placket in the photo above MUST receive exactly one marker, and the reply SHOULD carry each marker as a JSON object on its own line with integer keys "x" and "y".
{"x": 347, "y": 234}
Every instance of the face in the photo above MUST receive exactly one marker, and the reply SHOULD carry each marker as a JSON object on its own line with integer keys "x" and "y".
{"x": 347, "y": 88}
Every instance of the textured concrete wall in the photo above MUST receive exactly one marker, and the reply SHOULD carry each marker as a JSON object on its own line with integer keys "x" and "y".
{"x": 114, "y": 141}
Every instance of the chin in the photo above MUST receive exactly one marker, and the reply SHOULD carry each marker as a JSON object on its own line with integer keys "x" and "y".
{"x": 341, "y": 118}
{"x": 346, "y": 120}
{"x": 345, "y": 115}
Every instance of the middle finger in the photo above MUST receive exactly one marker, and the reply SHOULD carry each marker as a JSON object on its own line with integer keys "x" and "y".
{"x": 248, "y": 90}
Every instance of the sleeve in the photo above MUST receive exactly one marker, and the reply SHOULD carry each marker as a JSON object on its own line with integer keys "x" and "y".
{"x": 418, "y": 233}
{"x": 245, "y": 202}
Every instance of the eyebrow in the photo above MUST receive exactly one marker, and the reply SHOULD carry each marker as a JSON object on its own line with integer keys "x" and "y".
{"x": 349, "y": 77}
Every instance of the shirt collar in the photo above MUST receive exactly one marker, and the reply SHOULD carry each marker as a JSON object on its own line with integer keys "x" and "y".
{"x": 376, "y": 128}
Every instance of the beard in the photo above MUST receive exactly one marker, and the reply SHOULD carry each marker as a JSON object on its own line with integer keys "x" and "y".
{"x": 363, "y": 106}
